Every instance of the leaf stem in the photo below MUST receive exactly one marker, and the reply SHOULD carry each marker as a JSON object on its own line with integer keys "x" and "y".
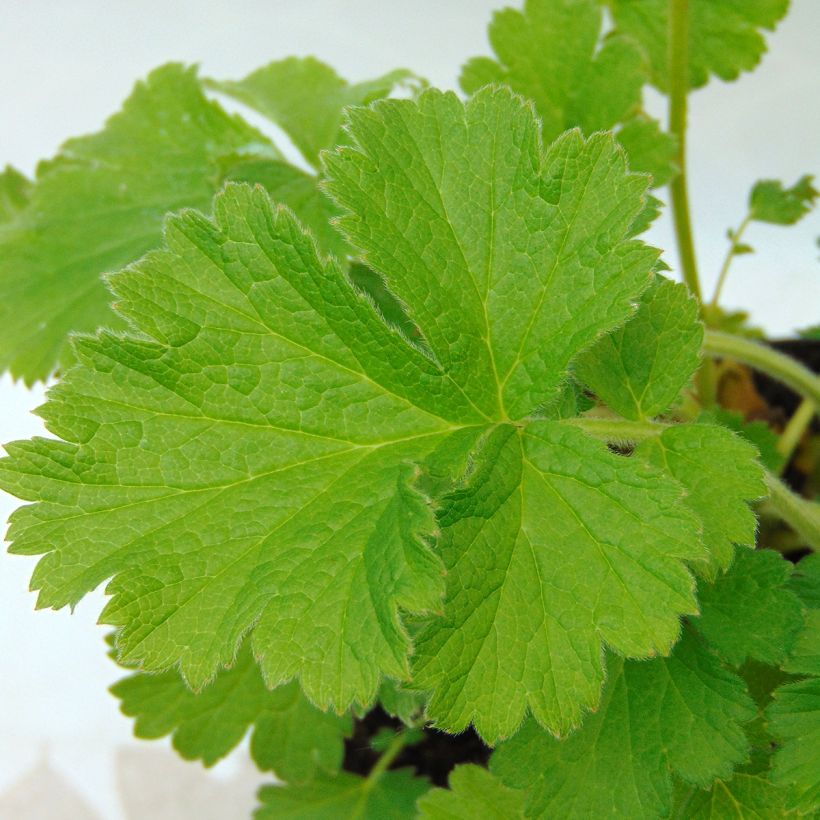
{"x": 678, "y": 90}
{"x": 802, "y": 515}
{"x": 793, "y": 432}
{"x": 763, "y": 358}
{"x": 384, "y": 762}
{"x": 727, "y": 262}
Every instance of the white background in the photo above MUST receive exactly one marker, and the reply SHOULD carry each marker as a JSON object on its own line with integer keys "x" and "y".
{"x": 64, "y": 66}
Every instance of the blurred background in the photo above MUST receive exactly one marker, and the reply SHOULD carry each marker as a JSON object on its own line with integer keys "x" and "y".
{"x": 65, "y": 750}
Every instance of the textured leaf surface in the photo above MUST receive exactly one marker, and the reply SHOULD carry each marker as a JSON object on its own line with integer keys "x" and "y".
{"x": 100, "y": 205}
{"x": 345, "y": 796}
{"x": 290, "y": 736}
{"x": 246, "y": 460}
{"x": 744, "y": 797}
{"x": 681, "y": 714}
{"x": 473, "y": 792}
{"x": 639, "y": 369}
{"x": 550, "y": 52}
{"x": 553, "y": 545}
{"x": 509, "y": 259}
{"x": 750, "y": 612}
{"x": 15, "y": 191}
{"x": 306, "y": 98}
{"x": 650, "y": 149}
{"x": 724, "y": 35}
{"x": 721, "y": 475}
{"x": 771, "y": 202}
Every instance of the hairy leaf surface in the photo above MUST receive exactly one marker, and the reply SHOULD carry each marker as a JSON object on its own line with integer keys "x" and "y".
{"x": 473, "y": 792}
{"x": 681, "y": 714}
{"x": 640, "y": 368}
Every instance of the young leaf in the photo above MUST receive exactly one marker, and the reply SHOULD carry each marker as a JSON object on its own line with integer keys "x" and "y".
{"x": 290, "y": 736}
{"x": 639, "y": 369}
{"x": 243, "y": 460}
{"x": 553, "y": 545}
{"x": 750, "y": 612}
{"x": 100, "y": 205}
{"x": 393, "y": 795}
{"x": 771, "y": 202}
{"x": 724, "y": 35}
{"x": 550, "y": 53}
{"x": 721, "y": 475}
{"x": 15, "y": 192}
{"x": 473, "y": 792}
{"x": 306, "y": 98}
{"x": 681, "y": 714}
{"x": 649, "y": 148}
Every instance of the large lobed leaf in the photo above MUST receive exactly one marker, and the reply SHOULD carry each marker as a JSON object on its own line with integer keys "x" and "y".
{"x": 255, "y": 454}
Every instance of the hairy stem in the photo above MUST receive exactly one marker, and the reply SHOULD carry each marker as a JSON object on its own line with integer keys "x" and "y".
{"x": 763, "y": 358}
{"x": 727, "y": 262}
{"x": 678, "y": 90}
{"x": 618, "y": 431}
{"x": 794, "y": 430}
{"x": 801, "y": 515}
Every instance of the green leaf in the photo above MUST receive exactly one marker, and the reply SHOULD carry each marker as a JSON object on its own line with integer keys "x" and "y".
{"x": 552, "y": 53}
{"x": 681, "y": 714}
{"x": 407, "y": 706}
{"x": 757, "y": 432}
{"x": 805, "y": 581}
{"x": 640, "y": 369}
{"x": 15, "y": 192}
{"x": 724, "y": 35}
{"x": 721, "y": 475}
{"x": 771, "y": 202}
{"x": 306, "y": 98}
{"x": 744, "y": 797}
{"x": 794, "y": 720}
{"x": 473, "y": 792}
{"x": 290, "y": 736}
{"x": 245, "y": 461}
{"x": 299, "y": 191}
{"x": 750, "y": 612}
{"x": 393, "y": 795}
{"x": 650, "y": 149}
{"x": 509, "y": 260}
{"x": 99, "y": 205}
{"x": 553, "y": 545}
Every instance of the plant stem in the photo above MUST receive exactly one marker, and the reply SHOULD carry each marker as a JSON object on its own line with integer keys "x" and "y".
{"x": 618, "y": 431}
{"x": 801, "y": 515}
{"x": 384, "y": 762}
{"x": 730, "y": 254}
{"x": 678, "y": 89}
{"x": 762, "y": 358}
{"x": 791, "y": 435}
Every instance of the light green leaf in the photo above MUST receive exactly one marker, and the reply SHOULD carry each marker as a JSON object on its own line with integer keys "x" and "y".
{"x": 721, "y": 475}
{"x": 473, "y": 792}
{"x": 771, "y": 202}
{"x": 245, "y": 461}
{"x": 649, "y": 148}
{"x": 640, "y": 369}
{"x": 744, "y": 797}
{"x": 757, "y": 432}
{"x": 794, "y": 720}
{"x": 405, "y": 705}
{"x": 552, "y": 53}
{"x": 100, "y": 205}
{"x": 306, "y": 98}
{"x": 553, "y": 545}
{"x": 346, "y": 796}
{"x": 510, "y": 260}
{"x": 750, "y": 612}
{"x": 290, "y": 736}
{"x": 724, "y": 35}
{"x": 15, "y": 192}
{"x": 681, "y": 714}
